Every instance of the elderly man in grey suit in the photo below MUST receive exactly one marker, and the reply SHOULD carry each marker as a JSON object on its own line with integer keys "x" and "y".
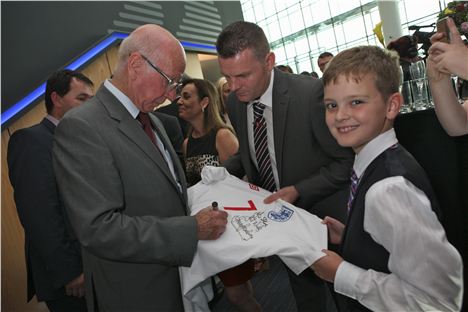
{"x": 123, "y": 186}
{"x": 284, "y": 143}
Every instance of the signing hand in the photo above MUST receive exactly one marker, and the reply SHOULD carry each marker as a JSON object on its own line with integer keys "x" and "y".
{"x": 326, "y": 267}
{"x": 288, "y": 193}
{"x": 211, "y": 223}
{"x": 76, "y": 287}
{"x": 335, "y": 229}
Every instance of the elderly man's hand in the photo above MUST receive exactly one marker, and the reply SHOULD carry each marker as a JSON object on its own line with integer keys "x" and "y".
{"x": 211, "y": 223}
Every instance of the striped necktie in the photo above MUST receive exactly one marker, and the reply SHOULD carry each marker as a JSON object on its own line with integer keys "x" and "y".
{"x": 352, "y": 190}
{"x": 261, "y": 148}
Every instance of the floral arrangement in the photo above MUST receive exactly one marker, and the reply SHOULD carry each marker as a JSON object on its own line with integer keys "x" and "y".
{"x": 458, "y": 11}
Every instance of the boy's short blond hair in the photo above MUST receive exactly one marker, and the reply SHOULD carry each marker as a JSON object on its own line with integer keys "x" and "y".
{"x": 357, "y": 62}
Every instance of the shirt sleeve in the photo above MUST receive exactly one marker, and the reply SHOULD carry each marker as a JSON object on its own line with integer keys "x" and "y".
{"x": 426, "y": 270}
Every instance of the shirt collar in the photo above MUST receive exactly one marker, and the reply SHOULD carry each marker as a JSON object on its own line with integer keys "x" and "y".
{"x": 373, "y": 149}
{"x": 53, "y": 120}
{"x": 267, "y": 97}
{"x": 125, "y": 100}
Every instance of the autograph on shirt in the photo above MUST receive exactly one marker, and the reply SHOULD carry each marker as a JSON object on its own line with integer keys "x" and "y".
{"x": 247, "y": 226}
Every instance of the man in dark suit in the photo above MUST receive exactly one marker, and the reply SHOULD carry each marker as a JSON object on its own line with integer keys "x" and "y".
{"x": 174, "y": 132}
{"x": 53, "y": 257}
{"x": 123, "y": 186}
{"x": 297, "y": 157}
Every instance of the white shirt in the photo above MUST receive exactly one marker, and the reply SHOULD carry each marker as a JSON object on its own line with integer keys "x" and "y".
{"x": 267, "y": 100}
{"x": 134, "y": 111}
{"x": 426, "y": 270}
{"x": 280, "y": 228}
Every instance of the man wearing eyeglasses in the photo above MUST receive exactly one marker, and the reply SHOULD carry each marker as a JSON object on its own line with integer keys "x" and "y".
{"x": 123, "y": 186}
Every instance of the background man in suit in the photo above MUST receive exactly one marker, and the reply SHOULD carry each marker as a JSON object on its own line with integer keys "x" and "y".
{"x": 307, "y": 166}
{"x": 174, "y": 132}
{"x": 123, "y": 186}
{"x": 53, "y": 257}
{"x": 323, "y": 60}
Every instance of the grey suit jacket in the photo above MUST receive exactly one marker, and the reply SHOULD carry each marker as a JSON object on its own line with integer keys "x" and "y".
{"x": 307, "y": 155}
{"x": 125, "y": 207}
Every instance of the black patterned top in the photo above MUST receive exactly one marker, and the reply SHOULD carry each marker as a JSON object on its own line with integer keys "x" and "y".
{"x": 200, "y": 152}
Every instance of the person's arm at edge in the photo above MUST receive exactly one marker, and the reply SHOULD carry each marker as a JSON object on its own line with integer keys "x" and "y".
{"x": 452, "y": 115}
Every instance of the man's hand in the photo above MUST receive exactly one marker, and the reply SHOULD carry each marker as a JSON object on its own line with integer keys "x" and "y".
{"x": 326, "y": 267}
{"x": 211, "y": 223}
{"x": 76, "y": 287}
{"x": 335, "y": 229}
{"x": 288, "y": 193}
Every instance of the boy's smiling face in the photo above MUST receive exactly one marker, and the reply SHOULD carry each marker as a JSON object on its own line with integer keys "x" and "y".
{"x": 356, "y": 112}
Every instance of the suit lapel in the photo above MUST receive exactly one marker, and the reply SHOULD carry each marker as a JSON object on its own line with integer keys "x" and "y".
{"x": 249, "y": 167}
{"x": 49, "y": 125}
{"x": 175, "y": 159}
{"x": 131, "y": 129}
{"x": 280, "y": 113}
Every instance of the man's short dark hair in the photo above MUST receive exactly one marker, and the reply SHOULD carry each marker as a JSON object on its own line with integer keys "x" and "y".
{"x": 286, "y": 68}
{"x": 325, "y": 54}
{"x": 239, "y": 36}
{"x": 60, "y": 82}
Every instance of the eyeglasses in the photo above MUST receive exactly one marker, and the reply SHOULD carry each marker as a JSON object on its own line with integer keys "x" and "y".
{"x": 171, "y": 83}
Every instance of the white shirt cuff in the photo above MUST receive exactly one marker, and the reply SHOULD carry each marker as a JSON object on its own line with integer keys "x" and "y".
{"x": 346, "y": 279}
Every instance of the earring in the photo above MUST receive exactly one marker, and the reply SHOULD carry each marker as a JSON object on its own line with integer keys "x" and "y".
{"x": 203, "y": 109}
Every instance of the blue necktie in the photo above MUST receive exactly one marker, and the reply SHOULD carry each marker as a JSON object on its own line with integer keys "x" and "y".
{"x": 353, "y": 188}
{"x": 261, "y": 148}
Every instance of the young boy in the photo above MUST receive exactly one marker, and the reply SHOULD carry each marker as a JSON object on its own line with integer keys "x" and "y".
{"x": 394, "y": 252}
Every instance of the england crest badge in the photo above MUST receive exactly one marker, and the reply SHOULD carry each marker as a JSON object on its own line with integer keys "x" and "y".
{"x": 281, "y": 215}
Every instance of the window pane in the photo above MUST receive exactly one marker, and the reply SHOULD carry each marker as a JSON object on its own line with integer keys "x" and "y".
{"x": 301, "y": 22}
{"x": 302, "y": 45}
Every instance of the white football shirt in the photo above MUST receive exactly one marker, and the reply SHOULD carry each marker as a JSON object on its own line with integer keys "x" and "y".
{"x": 254, "y": 229}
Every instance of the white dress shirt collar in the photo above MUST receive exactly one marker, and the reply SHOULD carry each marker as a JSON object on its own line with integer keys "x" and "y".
{"x": 125, "y": 100}
{"x": 267, "y": 97}
{"x": 52, "y": 119}
{"x": 373, "y": 149}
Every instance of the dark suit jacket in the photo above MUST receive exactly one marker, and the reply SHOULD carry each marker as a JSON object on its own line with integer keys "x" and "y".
{"x": 125, "y": 207}
{"x": 173, "y": 110}
{"x": 307, "y": 156}
{"x": 174, "y": 132}
{"x": 53, "y": 255}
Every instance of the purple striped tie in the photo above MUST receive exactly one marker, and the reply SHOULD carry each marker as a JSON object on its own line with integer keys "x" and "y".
{"x": 261, "y": 148}
{"x": 353, "y": 188}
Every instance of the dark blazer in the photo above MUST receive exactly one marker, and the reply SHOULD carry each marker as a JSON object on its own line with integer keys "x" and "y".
{"x": 125, "y": 207}
{"x": 307, "y": 156}
{"x": 174, "y": 132}
{"x": 173, "y": 110}
{"x": 53, "y": 255}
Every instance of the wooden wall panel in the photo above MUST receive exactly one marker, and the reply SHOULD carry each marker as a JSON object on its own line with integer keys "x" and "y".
{"x": 112, "y": 57}
{"x": 98, "y": 71}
